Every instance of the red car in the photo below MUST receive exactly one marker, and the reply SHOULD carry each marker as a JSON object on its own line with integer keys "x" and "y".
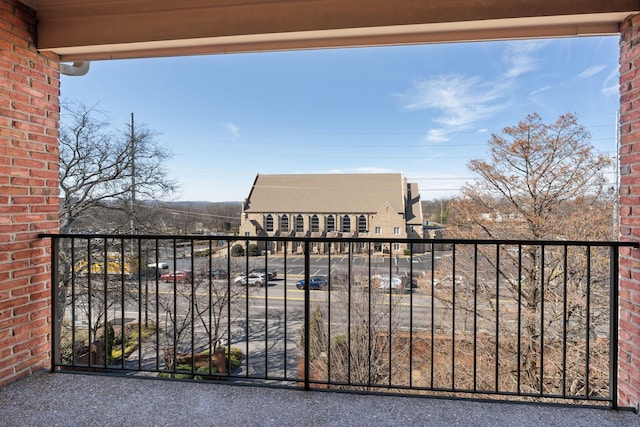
{"x": 178, "y": 276}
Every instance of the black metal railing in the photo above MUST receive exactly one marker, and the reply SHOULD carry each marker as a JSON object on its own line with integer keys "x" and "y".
{"x": 516, "y": 320}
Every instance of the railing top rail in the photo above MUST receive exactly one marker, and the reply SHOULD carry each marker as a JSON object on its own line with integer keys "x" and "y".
{"x": 234, "y": 238}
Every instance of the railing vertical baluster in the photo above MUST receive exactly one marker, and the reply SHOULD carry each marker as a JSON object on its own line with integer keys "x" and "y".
{"x": 89, "y": 294}
{"x": 613, "y": 325}
{"x": 212, "y": 346}
{"x": 55, "y": 306}
{"x": 411, "y": 315}
{"x": 286, "y": 323}
{"x": 246, "y": 298}
{"x": 542, "y": 267}
{"x": 73, "y": 299}
{"x": 497, "y": 349}
{"x": 105, "y": 270}
{"x": 519, "y": 344}
{"x": 193, "y": 308}
{"x": 390, "y": 308}
{"x": 369, "y": 332}
{"x": 228, "y": 359}
{"x": 266, "y": 315}
{"x": 307, "y": 316}
{"x": 475, "y": 316}
{"x": 175, "y": 308}
{"x": 433, "y": 299}
{"x": 122, "y": 290}
{"x": 329, "y": 340}
{"x": 565, "y": 276}
{"x": 157, "y": 325}
{"x": 349, "y": 315}
{"x": 588, "y": 327}
{"x": 453, "y": 319}
{"x": 139, "y": 240}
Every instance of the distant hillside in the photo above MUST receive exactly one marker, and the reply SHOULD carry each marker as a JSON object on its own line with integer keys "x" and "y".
{"x": 177, "y": 217}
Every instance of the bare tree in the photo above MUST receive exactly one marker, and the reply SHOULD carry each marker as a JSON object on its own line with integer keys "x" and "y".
{"x": 200, "y": 311}
{"x": 546, "y": 180}
{"x": 99, "y": 167}
{"x": 354, "y": 337}
{"x": 543, "y": 181}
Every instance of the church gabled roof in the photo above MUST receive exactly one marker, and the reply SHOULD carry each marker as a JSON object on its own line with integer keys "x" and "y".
{"x": 326, "y": 193}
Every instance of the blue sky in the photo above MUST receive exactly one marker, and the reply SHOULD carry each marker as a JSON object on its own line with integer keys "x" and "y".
{"x": 423, "y": 110}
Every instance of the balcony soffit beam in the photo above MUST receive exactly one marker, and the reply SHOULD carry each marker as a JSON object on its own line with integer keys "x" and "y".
{"x": 111, "y": 29}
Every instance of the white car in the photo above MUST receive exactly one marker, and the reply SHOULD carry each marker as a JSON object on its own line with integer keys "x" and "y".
{"x": 394, "y": 285}
{"x": 254, "y": 279}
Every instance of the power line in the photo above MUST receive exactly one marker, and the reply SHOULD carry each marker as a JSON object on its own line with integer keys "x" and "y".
{"x": 177, "y": 211}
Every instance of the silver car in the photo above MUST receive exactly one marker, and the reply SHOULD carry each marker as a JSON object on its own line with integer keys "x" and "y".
{"x": 253, "y": 279}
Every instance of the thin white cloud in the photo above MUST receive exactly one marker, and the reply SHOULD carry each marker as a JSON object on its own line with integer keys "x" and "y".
{"x": 461, "y": 101}
{"x": 591, "y": 72}
{"x": 611, "y": 85}
{"x": 233, "y": 129}
{"x": 519, "y": 57}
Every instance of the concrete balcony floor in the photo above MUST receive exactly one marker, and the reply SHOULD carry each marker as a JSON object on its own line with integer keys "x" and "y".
{"x": 61, "y": 399}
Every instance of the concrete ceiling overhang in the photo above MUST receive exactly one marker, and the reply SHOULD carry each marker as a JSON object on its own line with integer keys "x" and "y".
{"x": 112, "y": 29}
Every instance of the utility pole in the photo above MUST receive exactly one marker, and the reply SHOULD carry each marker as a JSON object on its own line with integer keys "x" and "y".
{"x": 132, "y": 143}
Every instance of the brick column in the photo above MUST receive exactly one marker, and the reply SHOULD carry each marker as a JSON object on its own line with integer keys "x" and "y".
{"x": 29, "y": 114}
{"x": 629, "y": 324}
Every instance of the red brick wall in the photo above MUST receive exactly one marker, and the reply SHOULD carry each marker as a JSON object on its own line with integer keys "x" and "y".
{"x": 629, "y": 326}
{"x": 29, "y": 113}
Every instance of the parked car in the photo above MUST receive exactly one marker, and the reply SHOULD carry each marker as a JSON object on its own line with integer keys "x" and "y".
{"x": 157, "y": 270}
{"x": 253, "y": 279}
{"x": 315, "y": 282}
{"x": 219, "y": 273}
{"x": 393, "y": 284}
{"x": 178, "y": 276}
{"x": 272, "y": 273}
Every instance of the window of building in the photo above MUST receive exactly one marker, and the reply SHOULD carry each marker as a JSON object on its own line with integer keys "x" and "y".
{"x": 299, "y": 223}
{"x": 315, "y": 224}
{"x": 378, "y": 230}
{"x": 362, "y": 224}
{"x": 396, "y": 246}
{"x": 247, "y": 234}
{"x": 268, "y": 223}
{"x": 331, "y": 223}
{"x": 346, "y": 224}
{"x": 284, "y": 223}
{"x": 396, "y": 230}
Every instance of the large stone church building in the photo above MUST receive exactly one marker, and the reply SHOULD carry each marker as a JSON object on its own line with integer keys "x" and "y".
{"x": 333, "y": 206}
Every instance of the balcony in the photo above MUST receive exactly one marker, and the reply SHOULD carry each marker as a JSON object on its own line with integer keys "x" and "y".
{"x": 516, "y": 321}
